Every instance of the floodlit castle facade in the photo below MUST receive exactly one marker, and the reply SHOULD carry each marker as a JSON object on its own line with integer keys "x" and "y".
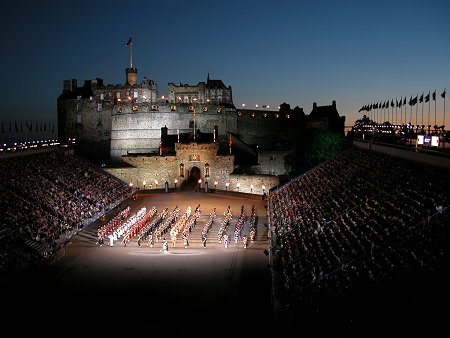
{"x": 123, "y": 122}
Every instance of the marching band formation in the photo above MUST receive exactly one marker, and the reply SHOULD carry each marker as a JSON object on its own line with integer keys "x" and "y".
{"x": 151, "y": 226}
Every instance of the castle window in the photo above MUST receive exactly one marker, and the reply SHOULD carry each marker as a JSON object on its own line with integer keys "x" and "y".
{"x": 207, "y": 170}
{"x": 99, "y": 106}
{"x": 181, "y": 170}
{"x": 78, "y": 106}
{"x": 135, "y": 108}
{"x": 218, "y": 110}
{"x": 154, "y": 107}
{"x": 135, "y": 94}
{"x": 253, "y": 114}
{"x": 265, "y": 114}
{"x": 118, "y": 95}
{"x": 288, "y": 116}
{"x": 205, "y": 109}
{"x": 78, "y": 118}
{"x": 173, "y": 108}
{"x": 102, "y": 96}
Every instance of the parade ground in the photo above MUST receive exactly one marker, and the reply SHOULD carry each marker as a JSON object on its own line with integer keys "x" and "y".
{"x": 177, "y": 293}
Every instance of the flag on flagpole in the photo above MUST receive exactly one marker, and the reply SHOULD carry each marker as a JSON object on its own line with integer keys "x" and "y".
{"x": 443, "y": 94}
{"x": 434, "y": 96}
{"x": 427, "y": 98}
{"x": 129, "y": 42}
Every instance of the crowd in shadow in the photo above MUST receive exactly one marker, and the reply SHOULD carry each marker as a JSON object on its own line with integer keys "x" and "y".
{"x": 46, "y": 197}
{"x": 358, "y": 244}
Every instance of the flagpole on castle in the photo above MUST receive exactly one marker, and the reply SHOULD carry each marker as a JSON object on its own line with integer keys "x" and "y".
{"x": 130, "y": 44}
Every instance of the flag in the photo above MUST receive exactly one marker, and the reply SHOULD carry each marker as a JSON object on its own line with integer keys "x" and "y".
{"x": 230, "y": 142}
{"x": 400, "y": 103}
{"x": 443, "y": 94}
{"x": 392, "y": 103}
{"x": 427, "y": 98}
{"x": 421, "y": 98}
{"x": 404, "y": 101}
{"x": 434, "y": 96}
{"x": 130, "y": 42}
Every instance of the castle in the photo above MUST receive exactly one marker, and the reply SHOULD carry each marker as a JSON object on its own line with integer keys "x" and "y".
{"x": 131, "y": 124}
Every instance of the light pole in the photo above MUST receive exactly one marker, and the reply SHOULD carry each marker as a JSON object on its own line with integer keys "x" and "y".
{"x": 238, "y": 185}
{"x": 156, "y": 184}
{"x": 176, "y": 181}
{"x": 264, "y": 189}
{"x": 251, "y": 188}
{"x": 144, "y": 183}
{"x": 215, "y": 185}
{"x": 226, "y": 185}
{"x": 199, "y": 184}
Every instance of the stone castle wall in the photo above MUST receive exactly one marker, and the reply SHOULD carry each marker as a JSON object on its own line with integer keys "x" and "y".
{"x": 140, "y": 131}
{"x": 215, "y": 171}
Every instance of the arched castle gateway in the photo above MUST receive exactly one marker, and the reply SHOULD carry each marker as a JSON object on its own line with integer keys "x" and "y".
{"x": 192, "y": 162}
{"x": 156, "y": 138}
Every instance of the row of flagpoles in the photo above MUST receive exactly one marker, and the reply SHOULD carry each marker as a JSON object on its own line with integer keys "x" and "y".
{"x": 373, "y": 108}
{"x": 22, "y": 131}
